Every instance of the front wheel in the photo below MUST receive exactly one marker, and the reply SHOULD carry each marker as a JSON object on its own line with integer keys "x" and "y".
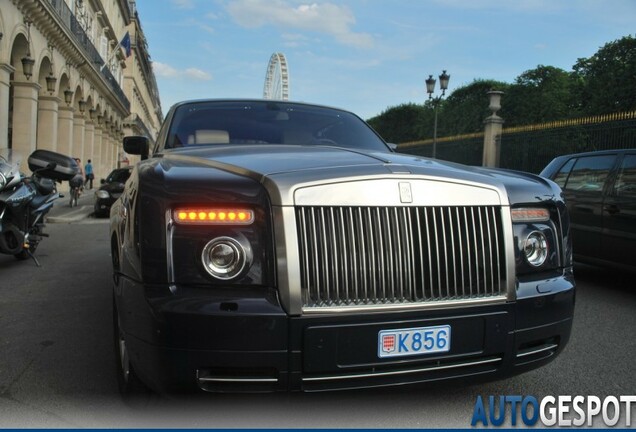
{"x": 74, "y": 196}
{"x": 128, "y": 382}
{"x": 24, "y": 253}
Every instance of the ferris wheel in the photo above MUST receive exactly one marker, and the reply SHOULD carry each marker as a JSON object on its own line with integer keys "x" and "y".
{"x": 277, "y": 78}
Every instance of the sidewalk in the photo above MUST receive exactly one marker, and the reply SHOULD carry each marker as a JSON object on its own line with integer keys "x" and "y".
{"x": 62, "y": 211}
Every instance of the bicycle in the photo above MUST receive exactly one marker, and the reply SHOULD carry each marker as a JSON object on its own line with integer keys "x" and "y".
{"x": 75, "y": 193}
{"x": 76, "y": 184}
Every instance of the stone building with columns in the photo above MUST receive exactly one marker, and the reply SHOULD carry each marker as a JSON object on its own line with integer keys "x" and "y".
{"x": 69, "y": 84}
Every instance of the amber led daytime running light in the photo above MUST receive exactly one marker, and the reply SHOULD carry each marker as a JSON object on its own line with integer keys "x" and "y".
{"x": 530, "y": 215}
{"x": 214, "y": 216}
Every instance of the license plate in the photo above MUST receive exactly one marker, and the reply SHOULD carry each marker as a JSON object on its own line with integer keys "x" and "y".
{"x": 414, "y": 341}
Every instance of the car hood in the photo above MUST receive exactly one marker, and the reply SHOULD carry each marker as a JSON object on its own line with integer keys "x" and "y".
{"x": 284, "y": 170}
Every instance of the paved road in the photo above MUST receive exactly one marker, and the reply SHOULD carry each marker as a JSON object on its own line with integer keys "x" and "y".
{"x": 56, "y": 361}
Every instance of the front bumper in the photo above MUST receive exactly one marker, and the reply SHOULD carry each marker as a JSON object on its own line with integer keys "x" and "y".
{"x": 189, "y": 339}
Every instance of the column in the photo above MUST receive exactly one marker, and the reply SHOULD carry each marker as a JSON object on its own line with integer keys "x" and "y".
{"x": 65, "y": 130}
{"x": 77, "y": 150}
{"x": 89, "y": 141}
{"x": 48, "y": 122}
{"x": 105, "y": 147}
{"x": 100, "y": 172}
{"x": 25, "y": 116}
{"x": 114, "y": 157}
{"x": 492, "y": 131}
{"x": 5, "y": 82}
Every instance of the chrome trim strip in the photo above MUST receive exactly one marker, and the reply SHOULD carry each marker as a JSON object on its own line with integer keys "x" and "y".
{"x": 537, "y": 351}
{"x": 169, "y": 255}
{"x": 508, "y": 243}
{"x": 404, "y": 372}
{"x": 241, "y": 380}
{"x": 287, "y": 259}
{"x": 442, "y": 304}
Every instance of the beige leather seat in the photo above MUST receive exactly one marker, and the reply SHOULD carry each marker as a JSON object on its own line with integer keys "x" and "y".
{"x": 209, "y": 136}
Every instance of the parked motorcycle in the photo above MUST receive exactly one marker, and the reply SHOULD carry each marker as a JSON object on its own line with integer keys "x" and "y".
{"x": 25, "y": 200}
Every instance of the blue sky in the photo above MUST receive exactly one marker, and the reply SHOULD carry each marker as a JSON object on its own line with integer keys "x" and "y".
{"x": 367, "y": 55}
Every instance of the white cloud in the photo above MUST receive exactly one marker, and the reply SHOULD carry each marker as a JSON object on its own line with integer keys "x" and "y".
{"x": 197, "y": 74}
{"x": 166, "y": 71}
{"x": 327, "y": 18}
{"x": 183, "y": 4}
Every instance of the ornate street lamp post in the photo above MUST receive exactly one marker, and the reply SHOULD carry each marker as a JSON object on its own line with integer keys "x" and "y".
{"x": 68, "y": 96}
{"x": 430, "y": 89}
{"x": 27, "y": 61}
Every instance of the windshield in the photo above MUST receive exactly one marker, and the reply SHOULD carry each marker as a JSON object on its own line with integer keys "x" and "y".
{"x": 10, "y": 161}
{"x": 118, "y": 176}
{"x": 268, "y": 122}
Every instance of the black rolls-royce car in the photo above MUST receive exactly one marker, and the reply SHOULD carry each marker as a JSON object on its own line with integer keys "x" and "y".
{"x": 268, "y": 245}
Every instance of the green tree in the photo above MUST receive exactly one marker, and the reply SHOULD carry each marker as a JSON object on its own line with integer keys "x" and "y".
{"x": 543, "y": 94}
{"x": 401, "y": 123}
{"x": 608, "y": 78}
{"x": 466, "y": 108}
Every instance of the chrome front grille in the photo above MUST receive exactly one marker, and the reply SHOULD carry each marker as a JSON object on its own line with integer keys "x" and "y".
{"x": 399, "y": 255}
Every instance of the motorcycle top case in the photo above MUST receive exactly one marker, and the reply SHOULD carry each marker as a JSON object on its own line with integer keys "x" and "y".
{"x": 62, "y": 167}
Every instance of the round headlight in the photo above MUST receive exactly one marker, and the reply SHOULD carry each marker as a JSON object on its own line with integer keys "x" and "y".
{"x": 102, "y": 194}
{"x": 225, "y": 257}
{"x": 536, "y": 248}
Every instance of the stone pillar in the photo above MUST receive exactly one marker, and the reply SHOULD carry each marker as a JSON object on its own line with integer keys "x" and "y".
{"x": 97, "y": 155}
{"x": 25, "y": 116}
{"x": 114, "y": 156}
{"x": 89, "y": 141}
{"x": 78, "y": 137}
{"x": 48, "y": 122}
{"x": 65, "y": 130}
{"x": 492, "y": 131}
{"x": 5, "y": 82}
{"x": 106, "y": 168}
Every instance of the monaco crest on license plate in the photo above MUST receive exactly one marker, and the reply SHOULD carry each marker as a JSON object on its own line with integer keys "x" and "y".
{"x": 414, "y": 341}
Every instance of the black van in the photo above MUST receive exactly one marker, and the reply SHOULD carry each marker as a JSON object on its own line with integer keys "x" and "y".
{"x": 600, "y": 192}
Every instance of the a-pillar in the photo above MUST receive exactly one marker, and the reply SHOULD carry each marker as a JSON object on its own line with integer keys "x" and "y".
{"x": 65, "y": 130}
{"x": 492, "y": 131}
{"x": 78, "y": 137}
{"x": 5, "y": 82}
{"x": 47, "y": 122}
{"x": 25, "y": 116}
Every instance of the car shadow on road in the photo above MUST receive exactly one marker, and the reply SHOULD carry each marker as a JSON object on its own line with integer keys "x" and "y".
{"x": 619, "y": 280}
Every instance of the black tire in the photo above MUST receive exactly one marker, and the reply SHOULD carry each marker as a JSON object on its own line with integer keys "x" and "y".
{"x": 74, "y": 197}
{"x": 129, "y": 384}
{"x": 24, "y": 255}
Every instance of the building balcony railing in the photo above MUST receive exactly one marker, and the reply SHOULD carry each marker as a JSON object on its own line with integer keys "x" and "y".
{"x": 70, "y": 21}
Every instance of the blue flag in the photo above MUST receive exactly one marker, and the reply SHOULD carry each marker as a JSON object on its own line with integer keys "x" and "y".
{"x": 125, "y": 44}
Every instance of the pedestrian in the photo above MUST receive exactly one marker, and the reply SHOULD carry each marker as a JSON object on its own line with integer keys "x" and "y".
{"x": 88, "y": 170}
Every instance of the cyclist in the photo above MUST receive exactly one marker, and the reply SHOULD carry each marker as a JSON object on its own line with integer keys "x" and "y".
{"x": 76, "y": 184}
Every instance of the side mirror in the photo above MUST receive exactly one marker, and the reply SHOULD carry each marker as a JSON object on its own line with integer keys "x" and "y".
{"x": 137, "y": 145}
